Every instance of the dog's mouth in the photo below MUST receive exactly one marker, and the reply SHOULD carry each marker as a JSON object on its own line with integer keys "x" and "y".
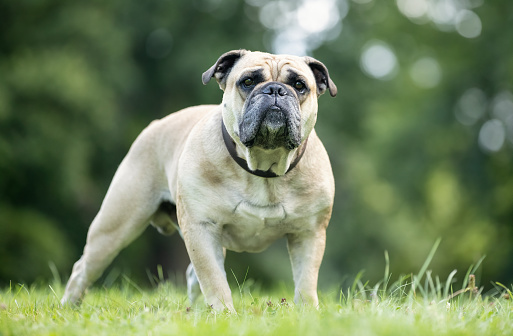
{"x": 271, "y": 122}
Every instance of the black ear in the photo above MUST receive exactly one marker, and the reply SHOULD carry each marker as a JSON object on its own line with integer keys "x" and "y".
{"x": 222, "y": 67}
{"x": 322, "y": 77}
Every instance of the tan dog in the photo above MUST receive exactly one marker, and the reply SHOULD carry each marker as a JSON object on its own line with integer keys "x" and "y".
{"x": 241, "y": 174}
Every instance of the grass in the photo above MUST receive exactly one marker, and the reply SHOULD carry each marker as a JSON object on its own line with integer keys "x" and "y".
{"x": 417, "y": 304}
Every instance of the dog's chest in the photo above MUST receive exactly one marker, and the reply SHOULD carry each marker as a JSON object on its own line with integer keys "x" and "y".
{"x": 263, "y": 203}
{"x": 270, "y": 214}
{"x": 252, "y": 228}
{"x": 259, "y": 219}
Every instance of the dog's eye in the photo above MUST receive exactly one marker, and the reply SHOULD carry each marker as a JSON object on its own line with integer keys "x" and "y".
{"x": 248, "y": 82}
{"x": 299, "y": 85}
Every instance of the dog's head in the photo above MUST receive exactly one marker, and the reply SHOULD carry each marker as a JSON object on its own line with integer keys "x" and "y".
{"x": 269, "y": 103}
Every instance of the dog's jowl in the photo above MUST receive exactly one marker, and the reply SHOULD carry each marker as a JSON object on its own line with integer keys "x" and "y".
{"x": 239, "y": 176}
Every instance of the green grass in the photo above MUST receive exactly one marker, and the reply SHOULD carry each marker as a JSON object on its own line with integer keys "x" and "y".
{"x": 413, "y": 305}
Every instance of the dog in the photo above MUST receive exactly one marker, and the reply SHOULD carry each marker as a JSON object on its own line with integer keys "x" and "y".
{"x": 234, "y": 176}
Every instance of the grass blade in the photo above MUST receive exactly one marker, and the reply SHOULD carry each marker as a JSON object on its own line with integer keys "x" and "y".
{"x": 448, "y": 283}
{"x": 429, "y": 259}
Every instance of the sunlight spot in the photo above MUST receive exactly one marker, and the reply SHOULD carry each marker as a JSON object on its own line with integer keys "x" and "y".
{"x": 413, "y": 8}
{"x": 492, "y": 135}
{"x": 317, "y": 16}
{"x": 502, "y": 105}
{"x": 468, "y": 24}
{"x": 290, "y": 42}
{"x": 443, "y": 13}
{"x": 426, "y": 72}
{"x": 471, "y": 106}
{"x": 447, "y": 15}
{"x": 378, "y": 60}
{"x": 299, "y": 27}
{"x": 276, "y": 14}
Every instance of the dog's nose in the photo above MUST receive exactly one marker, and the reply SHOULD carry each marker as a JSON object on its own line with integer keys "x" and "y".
{"x": 275, "y": 89}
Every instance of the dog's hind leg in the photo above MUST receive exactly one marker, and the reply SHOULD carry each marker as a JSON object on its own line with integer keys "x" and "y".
{"x": 127, "y": 209}
{"x": 193, "y": 286}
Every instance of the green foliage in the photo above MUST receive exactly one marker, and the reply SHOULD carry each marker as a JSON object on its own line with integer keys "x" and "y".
{"x": 27, "y": 226}
{"x": 407, "y": 170}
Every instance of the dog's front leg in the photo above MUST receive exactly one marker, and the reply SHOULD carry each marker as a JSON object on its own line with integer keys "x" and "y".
{"x": 306, "y": 251}
{"x": 203, "y": 243}
{"x": 193, "y": 286}
{"x": 206, "y": 253}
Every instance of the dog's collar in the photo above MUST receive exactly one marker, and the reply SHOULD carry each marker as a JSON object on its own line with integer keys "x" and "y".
{"x": 230, "y": 145}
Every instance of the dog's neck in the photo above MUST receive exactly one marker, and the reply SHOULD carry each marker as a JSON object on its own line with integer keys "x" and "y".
{"x": 230, "y": 145}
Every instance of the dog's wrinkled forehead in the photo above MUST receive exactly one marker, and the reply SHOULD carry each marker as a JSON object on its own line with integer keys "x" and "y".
{"x": 268, "y": 67}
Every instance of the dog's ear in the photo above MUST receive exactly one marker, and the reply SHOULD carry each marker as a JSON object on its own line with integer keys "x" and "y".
{"x": 322, "y": 77}
{"x": 222, "y": 67}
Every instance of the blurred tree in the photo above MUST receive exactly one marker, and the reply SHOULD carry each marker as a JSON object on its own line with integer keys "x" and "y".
{"x": 411, "y": 169}
{"x": 420, "y": 136}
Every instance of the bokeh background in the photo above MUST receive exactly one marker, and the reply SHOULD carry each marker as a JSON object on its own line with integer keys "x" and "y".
{"x": 420, "y": 135}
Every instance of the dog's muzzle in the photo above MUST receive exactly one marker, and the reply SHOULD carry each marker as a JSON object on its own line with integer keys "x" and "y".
{"x": 272, "y": 118}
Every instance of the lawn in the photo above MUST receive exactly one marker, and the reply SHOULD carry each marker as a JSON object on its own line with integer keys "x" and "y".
{"x": 413, "y": 305}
